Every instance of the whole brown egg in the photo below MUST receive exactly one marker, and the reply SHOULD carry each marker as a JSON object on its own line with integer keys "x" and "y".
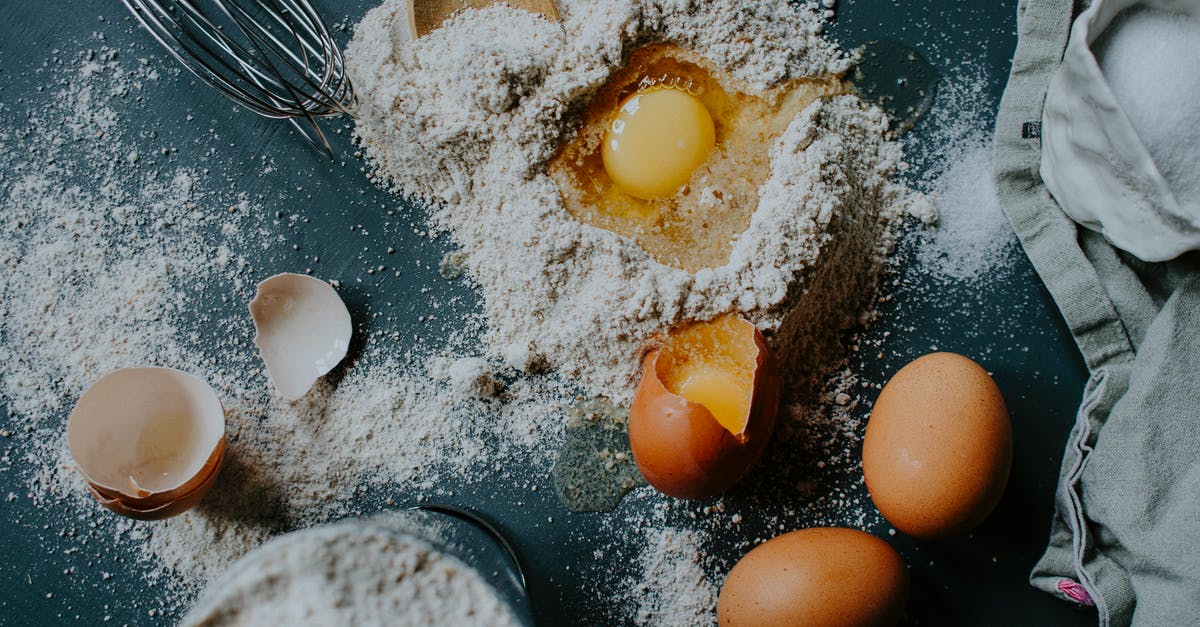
{"x": 938, "y": 447}
{"x": 829, "y": 577}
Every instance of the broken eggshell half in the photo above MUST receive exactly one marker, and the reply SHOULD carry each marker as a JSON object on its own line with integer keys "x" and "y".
{"x": 302, "y": 330}
{"x": 169, "y": 508}
{"x": 149, "y": 441}
{"x": 705, "y": 407}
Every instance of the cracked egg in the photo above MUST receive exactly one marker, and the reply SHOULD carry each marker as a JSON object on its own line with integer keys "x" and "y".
{"x": 705, "y": 407}
{"x": 672, "y": 151}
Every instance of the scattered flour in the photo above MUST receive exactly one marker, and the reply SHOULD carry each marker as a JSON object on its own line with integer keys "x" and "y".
{"x": 672, "y": 588}
{"x": 113, "y": 261}
{"x": 973, "y": 237}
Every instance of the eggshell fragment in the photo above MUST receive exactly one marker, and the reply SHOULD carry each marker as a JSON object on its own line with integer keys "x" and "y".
{"x": 938, "y": 447}
{"x": 149, "y": 441}
{"x": 302, "y": 330}
{"x": 722, "y": 367}
{"x": 824, "y": 576}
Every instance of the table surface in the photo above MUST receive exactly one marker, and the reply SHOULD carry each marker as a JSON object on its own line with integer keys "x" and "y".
{"x": 977, "y": 580}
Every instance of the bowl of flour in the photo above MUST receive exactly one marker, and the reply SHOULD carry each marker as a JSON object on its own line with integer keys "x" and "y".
{"x": 400, "y": 568}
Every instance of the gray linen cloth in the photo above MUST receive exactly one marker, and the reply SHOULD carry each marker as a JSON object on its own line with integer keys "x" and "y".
{"x": 1126, "y": 529}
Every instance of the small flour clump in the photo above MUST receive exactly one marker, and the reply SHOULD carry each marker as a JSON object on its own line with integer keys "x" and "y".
{"x": 351, "y": 573}
{"x": 471, "y": 376}
{"x": 467, "y": 117}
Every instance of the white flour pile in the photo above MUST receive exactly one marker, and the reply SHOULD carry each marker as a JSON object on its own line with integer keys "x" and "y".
{"x": 350, "y": 574}
{"x": 1141, "y": 55}
{"x": 467, "y": 116}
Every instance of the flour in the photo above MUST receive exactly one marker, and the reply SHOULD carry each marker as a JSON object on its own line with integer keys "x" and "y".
{"x": 1140, "y": 54}
{"x": 125, "y": 267}
{"x": 671, "y": 587}
{"x": 350, "y": 574}
{"x": 469, "y": 376}
{"x": 972, "y": 238}
{"x": 467, "y": 116}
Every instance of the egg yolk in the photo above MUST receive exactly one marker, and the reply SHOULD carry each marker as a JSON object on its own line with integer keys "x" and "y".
{"x": 720, "y": 393}
{"x": 658, "y": 138}
{"x": 671, "y": 155}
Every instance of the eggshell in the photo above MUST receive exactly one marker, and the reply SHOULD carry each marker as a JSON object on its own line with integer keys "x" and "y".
{"x": 167, "y": 508}
{"x": 302, "y": 330}
{"x": 194, "y": 489}
{"x": 938, "y": 447}
{"x": 678, "y": 444}
{"x": 824, "y": 576}
{"x": 149, "y": 441}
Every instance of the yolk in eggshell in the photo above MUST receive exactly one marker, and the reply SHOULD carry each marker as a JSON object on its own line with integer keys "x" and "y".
{"x": 725, "y": 398}
{"x": 705, "y": 407}
{"x": 705, "y": 364}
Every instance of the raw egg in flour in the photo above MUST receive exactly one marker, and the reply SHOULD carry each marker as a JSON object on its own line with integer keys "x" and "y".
{"x": 938, "y": 446}
{"x": 672, "y": 150}
{"x": 658, "y": 138}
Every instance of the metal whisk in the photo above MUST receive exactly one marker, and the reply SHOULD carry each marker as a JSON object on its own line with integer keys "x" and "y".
{"x": 274, "y": 57}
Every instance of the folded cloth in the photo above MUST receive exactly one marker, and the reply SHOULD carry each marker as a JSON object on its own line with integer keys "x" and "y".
{"x": 1125, "y": 535}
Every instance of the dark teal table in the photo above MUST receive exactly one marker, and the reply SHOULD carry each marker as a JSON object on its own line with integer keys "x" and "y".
{"x": 980, "y": 580}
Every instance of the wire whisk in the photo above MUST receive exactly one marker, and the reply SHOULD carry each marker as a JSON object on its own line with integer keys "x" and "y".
{"x": 274, "y": 57}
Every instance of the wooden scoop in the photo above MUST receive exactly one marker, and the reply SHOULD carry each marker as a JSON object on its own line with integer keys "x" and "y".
{"x": 427, "y": 15}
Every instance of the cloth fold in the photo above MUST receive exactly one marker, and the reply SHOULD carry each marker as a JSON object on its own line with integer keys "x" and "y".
{"x": 1094, "y": 161}
{"x": 1125, "y": 534}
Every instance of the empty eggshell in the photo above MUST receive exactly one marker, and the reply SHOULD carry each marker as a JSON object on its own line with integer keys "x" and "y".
{"x": 302, "y": 330}
{"x": 168, "y": 508}
{"x": 149, "y": 441}
{"x": 705, "y": 407}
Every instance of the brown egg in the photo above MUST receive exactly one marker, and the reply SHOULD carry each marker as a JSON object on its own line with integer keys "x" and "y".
{"x": 705, "y": 407}
{"x": 938, "y": 447}
{"x": 825, "y": 576}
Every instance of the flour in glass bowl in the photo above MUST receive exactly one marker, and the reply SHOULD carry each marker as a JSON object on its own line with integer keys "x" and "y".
{"x": 375, "y": 572}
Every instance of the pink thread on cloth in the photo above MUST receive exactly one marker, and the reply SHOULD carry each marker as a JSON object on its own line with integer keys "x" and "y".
{"x": 1075, "y": 591}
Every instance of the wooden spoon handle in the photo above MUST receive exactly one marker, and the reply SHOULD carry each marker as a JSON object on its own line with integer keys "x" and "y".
{"x": 427, "y": 15}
